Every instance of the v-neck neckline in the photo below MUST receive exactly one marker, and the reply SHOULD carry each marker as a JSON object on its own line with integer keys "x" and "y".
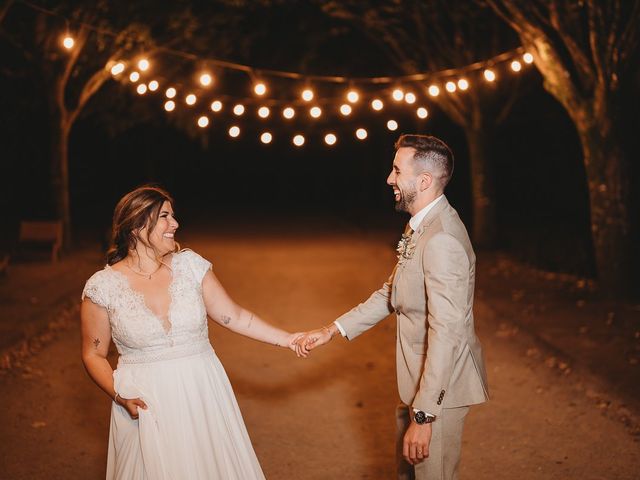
{"x": 140, "y": 296}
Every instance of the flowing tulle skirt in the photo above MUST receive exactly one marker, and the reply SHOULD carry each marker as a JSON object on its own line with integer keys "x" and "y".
{"x": 191, "y": 430}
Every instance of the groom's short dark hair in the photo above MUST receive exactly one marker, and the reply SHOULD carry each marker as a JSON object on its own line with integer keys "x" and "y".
{"x": 431, "y": 154}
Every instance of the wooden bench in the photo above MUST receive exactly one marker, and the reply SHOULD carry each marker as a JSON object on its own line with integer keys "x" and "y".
{"x": 42, "y": 233}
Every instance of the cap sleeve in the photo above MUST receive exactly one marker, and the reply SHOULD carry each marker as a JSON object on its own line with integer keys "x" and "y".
{"x": 95, "y": 290}
{"x": 199, "y": 266}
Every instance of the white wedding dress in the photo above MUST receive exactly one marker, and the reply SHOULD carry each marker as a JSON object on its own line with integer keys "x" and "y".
{"x": 192, "y": 428}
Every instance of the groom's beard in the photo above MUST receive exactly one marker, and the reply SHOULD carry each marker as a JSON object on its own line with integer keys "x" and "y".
{"x": 406, "y": 199}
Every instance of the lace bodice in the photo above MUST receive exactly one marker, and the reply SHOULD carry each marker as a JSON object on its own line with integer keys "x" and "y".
{"x": 138, "y": 333}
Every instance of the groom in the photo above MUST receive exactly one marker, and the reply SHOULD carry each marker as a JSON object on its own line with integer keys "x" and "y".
{"x": 439, "y": 361}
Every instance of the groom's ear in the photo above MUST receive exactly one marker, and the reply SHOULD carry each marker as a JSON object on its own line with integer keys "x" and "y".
{"x": 425, "y": 181}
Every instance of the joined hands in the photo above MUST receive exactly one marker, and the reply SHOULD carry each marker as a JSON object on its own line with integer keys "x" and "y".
{"x": 303, "y": 343}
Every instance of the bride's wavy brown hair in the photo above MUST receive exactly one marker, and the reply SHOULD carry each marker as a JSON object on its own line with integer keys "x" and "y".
{"x": 137, "y": 209}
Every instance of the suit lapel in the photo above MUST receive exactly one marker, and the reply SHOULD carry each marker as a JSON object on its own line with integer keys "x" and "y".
{"x": 434, "y": 213}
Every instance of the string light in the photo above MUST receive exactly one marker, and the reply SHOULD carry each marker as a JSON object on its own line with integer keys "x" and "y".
{"x": 260, "y": 89}
{"x": 330, "y": 139}
{"x": 234, "y": 131}
{"x": 298, "y": 140}
{"x": 353, "y": 96}
{"x": 516, "y": 59}
{"x": 68, "y": 42}
{"x": 206, "y": 79}
{"x": 143, "y": 65}
{"x": 266, "y": 137}
{"x": 203, "y": 122}
{"x": 117, "y": 69}
{"x": 489, "y": 75}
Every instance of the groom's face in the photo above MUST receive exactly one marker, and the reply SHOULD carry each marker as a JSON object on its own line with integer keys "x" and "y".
{"x": 403, "y": 180}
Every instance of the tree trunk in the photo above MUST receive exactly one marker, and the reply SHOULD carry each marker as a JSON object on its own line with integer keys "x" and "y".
{"x": 61, "y": 128}
{"x": 479, "y": 141}
{"x": 607, "y": 176}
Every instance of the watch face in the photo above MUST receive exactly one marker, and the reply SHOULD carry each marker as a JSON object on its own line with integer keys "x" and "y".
{"x": 420, "y": 417}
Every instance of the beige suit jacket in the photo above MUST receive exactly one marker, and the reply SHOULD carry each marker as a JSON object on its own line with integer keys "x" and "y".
{"x": 439, "y": 359}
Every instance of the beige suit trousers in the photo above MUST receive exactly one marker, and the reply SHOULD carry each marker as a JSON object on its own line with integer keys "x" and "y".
{"x": 444, "y": 450}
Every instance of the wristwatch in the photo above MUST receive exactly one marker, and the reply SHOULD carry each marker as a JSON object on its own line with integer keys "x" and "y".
{"x": 421, "y": 418}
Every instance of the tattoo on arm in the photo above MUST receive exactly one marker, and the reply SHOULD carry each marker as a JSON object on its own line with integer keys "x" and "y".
{"x": 226, "y": 319}
{"x": 96, "y": 342}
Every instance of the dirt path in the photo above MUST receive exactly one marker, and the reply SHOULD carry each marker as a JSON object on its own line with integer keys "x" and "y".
{"x": 329, "y": 417}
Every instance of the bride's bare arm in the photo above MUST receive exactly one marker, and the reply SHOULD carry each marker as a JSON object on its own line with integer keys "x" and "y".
{"x": 96, "y": 338}
{"x": 223, "y": 310}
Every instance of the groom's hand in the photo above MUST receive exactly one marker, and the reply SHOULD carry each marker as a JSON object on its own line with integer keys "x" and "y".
{"x": 316, "y": 338}
{"x": 415, "y": 447}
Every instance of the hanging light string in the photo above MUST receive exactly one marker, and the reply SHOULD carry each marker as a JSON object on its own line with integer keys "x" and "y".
{"x": 306, "y": 105}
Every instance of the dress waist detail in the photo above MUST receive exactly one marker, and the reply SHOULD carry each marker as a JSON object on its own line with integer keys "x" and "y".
{"x": 166, "y": 353}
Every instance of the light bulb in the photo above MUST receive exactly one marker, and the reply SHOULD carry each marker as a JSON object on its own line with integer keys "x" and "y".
{"x": 288, "y": 113}
{"x": 397, "y": 95}
{"x": 463, "y": 84}
{"x": 260, "y": 89}
{"x": 330, "y": 139}
{"x": 170, "y": 92}
{"x": 516, "y": 66}
{"x": 216, "y": 106}
{"x": 191, "y": 99}
{"x": 266, "y": 137}
{"x": 315, "y": 112}
{"x": 144, "y": 65}
{"x": 234, "y": 131}
{"x": 361, "y": 133}
{"x": 117, "y": 69}
{"x": 298, "y": 140}
{"x": 451, "y": 87}
{"x": 263, "y": 112}
{"x": 170, "y": 105}
{"x": 307, "y": 95}
{"x": 392, "y": 125}
{"x": 203, "y": 122}
{"x": 377, "y": 104}
{"x": 422, "y": 112}
{"x": 206, "y": 79}
{"x": 238, "y": 109}
{"x": 345, "y": 109}
{"x": 353, "y": 96}
{"x": 489, "y": 75}
{"x": 434, "y": 90}
{"x": 153, "y": 85}
{"x": 68, "y": 42}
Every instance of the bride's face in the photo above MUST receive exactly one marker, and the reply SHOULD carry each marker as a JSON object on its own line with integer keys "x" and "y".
{"x": 161, "y": 238}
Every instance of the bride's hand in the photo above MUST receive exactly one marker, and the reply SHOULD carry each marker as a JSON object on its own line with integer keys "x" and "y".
{"x": 293, "y": 342}
{"x": 131, "y": 405}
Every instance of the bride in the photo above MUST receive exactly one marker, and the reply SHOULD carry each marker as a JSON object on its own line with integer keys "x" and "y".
{"x": 174, "y": 414}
